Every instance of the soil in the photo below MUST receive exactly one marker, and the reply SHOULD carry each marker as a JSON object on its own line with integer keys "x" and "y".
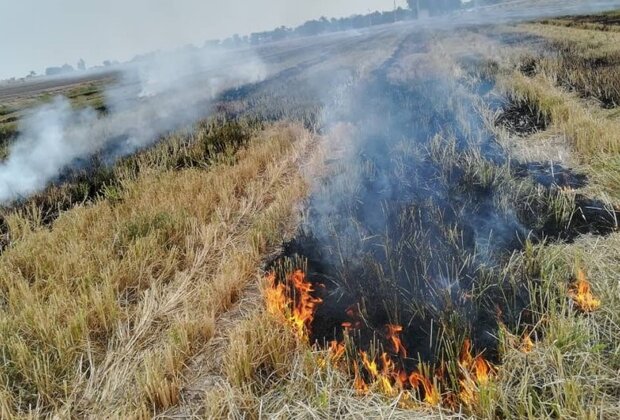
{"x": 521, "y": 118}
{"x": 551, "y": 175}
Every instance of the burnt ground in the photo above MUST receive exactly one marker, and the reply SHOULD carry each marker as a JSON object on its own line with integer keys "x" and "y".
{"x": 549, "y": 175}
{"x": 522, "y": 118}
{"x": 608, "y": 19}
{"x": 412, "y": 211}
{"x": 395, "y": 273}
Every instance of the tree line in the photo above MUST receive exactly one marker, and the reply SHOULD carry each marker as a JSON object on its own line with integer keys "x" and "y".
{"x": 324, "y": 25}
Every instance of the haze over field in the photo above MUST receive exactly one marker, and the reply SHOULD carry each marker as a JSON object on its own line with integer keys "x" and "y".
{"x": 403, "y": 214}
{"x": 52, "y": 139}
{"x": 45, "y": 33}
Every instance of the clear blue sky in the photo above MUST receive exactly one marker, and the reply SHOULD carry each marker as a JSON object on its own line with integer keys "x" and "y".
{"x": 35, "y": 34}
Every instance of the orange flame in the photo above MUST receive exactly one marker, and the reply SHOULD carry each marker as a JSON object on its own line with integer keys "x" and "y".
{"x": 358, "y": 383}
{"x": 482, "y": 370}
{"x": 303, "y": 312}
{"x": 465, "y": 358}
{"x": 401, "y": 378}
{"x": 304, "y": 305}
{"x": 393, "y": 332}
{"x": 527, "y": 345}
{"x": 353, "y": 313}
{"x": 469, "y": 392}
{"x": 476, "y": 371}
{"x": 582, "y": 295}
{"x": 293, "y": 300}
{"x": 336, "y": 350}
{"x": 385, "y": 385}
{"x": 371, "y": 366}
{"x": 431, "y": 394}
{"x": 275, "y": 296}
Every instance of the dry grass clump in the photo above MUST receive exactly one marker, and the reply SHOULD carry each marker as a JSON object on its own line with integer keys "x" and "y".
{"x": 568, "y": 86}
{"x": 269, "y": 373}
{"x": 571, "y": 369}
{"x": 590, "y": 134}
{"x": 212, "y": 140}
{"x": 586, "y": 62}
{"x": 608, "y": 21}
{"x": 101, "y": 310}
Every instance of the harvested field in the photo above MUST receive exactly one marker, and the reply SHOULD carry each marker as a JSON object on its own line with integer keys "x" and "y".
{"x": 403, "y": 221}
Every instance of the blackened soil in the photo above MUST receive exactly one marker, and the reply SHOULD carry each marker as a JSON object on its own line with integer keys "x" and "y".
{"x": 610, "y": 19}
{"x": 529, "y": 66}
{"x": 589, "y": 217}
{"x": 550, "y": 175}
{"x": 522, "y": 118}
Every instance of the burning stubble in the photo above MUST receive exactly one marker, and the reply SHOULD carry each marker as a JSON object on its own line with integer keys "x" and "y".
{"x": 407, "y": 237}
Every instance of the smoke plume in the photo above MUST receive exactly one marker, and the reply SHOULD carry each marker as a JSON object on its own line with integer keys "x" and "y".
{"x": 153, "y": 96}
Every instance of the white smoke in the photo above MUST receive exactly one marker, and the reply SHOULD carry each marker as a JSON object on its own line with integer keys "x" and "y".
{"x": 155, "y": 95}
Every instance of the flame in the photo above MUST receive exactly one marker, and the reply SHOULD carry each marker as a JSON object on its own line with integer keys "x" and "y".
{"x": 401, "y": 378}
{"x": 303, "y": 312}
{"x": 387, "y": 373}
{"x": 477, "y": 367}
{"x": 275, "y": 296}
{"x": 371, "y": 366}
{"x": 358, "y": 383}
{"x": 393, "y": 332}
{"x": 431, "y": 394}
{"x": 388, "y": 365}
{"x": 299, "y": 309}
{"x": 527, "y": 345}
{"x": 353, "y": 313}
{"x": 336, "y": 350}
{"x": 465, "y": 358}
{"x": 582, "y": 295}
{"x": 385, "y": 385}
{"x": 476, "y": 371}
{"x": 482, "y": 370}
{"x": 384, "y": 376}
{"x": 293, "y": 300}
{"x": 469, "y": 392}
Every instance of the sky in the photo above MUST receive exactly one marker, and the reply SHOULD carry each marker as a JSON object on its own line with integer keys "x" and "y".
{"x": 35, "y": 34}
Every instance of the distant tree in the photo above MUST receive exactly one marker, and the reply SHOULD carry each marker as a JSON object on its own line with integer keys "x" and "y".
{"x": 434, "y": 6}
{"x": 256, "y": 38}
{"x": 313, "y": 27}
{"x": 334, "y": 24}
{"x": 324, "y": 25}
{"x": 228, "y": 42}
{"x": 81, "y": 65}
{"x": 32, "y": 74}
{"x": 374, "y": 18}
{"x": 107, "y": 63}
{"x": 212, "y": 43}
{"x": 280, "y": 33}
{"x": 414, "y": 5}
{"x": 402, "y": 14}
{"x": 52, "y": 71}
{"x": 67, "y": 68}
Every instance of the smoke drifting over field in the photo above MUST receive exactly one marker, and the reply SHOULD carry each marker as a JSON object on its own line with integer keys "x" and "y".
{"x": 155, "y": 95}
{"x": 162, "y": 92}
{"x": 413, "y": 226}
